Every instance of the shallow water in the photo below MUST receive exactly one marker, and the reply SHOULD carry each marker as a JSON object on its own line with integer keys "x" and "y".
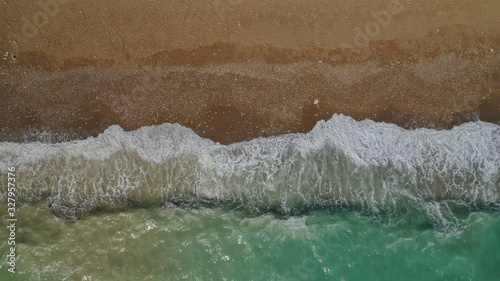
{"x": 348, "y": 201}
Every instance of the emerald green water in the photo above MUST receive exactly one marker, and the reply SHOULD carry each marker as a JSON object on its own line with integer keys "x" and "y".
{"x": 216, "y": 244}
{"x": 348, "y": 201}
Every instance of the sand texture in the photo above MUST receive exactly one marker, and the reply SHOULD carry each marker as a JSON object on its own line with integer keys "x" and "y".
{"x": 234, "y": 70}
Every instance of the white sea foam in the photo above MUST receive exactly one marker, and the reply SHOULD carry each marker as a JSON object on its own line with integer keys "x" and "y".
{"x": 367, "y": 166}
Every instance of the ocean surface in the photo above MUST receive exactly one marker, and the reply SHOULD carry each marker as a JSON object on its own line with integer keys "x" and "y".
{"x": 349, "y": 200}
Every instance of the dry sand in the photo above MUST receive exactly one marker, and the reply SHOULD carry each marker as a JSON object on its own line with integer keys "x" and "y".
{"x": 234, "y": 70}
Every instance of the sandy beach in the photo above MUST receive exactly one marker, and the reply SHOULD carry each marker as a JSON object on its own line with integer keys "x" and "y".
{"x": 234, "y": 70}
{"x": 209, "y": 158}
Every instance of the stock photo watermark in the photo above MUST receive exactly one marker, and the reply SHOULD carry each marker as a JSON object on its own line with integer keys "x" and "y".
{"x": 11, "y": 219}
{"x": 31, "y": 25}
{"x": 371, "y": 30}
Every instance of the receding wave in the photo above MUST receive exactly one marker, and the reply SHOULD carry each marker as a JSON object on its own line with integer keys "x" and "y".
{"x": 375, "y": 168}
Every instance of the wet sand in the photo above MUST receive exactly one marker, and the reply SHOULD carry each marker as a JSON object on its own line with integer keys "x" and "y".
{"x": 235, "y": 70}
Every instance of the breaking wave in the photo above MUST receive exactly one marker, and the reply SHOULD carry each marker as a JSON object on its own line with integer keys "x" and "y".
{"x": 373, "y": 168}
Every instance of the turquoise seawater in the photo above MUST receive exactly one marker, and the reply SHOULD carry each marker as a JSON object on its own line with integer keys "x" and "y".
{"x": 216, "y": 244}
{"x": 348, "y": 201}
